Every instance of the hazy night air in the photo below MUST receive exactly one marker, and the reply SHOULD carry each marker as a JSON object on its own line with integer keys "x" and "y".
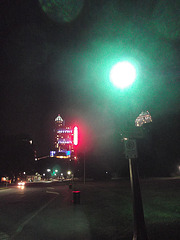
{"x": 59, "y": 62}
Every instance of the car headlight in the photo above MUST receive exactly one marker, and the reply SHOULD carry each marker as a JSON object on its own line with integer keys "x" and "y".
{"x": 21, "y": 183}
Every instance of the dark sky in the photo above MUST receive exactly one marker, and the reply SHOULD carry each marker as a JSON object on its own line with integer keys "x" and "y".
{"x": 57, "y": 60}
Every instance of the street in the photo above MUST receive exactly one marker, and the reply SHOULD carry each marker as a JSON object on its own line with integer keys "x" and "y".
{"x": 41, "y": 211}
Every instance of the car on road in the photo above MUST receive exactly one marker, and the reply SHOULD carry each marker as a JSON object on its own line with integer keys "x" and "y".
{"x": 21, "y": 183}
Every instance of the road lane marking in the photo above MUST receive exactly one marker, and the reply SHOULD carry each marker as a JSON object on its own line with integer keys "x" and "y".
{"x": 5, "y": 189}
{"x": 50, "y": 187}
{"x": 52, "y": 192}
{"x": 22, "y": 225}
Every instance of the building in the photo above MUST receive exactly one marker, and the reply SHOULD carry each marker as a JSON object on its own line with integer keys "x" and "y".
{"x": 144, "y": 117}
{"x": 66, "y": 139}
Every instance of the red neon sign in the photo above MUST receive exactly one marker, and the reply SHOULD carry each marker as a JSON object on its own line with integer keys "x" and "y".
{"x": 75, "y": 136}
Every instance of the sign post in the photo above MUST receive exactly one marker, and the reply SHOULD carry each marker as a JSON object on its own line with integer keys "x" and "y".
{"x": 140, "y": 232}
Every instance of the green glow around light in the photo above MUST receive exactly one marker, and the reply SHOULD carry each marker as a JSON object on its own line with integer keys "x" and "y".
{"x": 123, "y": 74}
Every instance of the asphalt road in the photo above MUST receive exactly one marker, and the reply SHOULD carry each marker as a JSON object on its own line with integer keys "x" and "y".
{"x": 41, "y": 211}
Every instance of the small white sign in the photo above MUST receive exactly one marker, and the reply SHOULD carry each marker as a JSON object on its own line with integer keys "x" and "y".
{"x": 130, "y": 148}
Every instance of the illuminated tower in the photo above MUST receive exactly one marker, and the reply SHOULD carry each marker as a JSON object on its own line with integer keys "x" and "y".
{"x": 65, "y": 140}
{"x": 59, "y": 124}
{"x": 59, "y": 121}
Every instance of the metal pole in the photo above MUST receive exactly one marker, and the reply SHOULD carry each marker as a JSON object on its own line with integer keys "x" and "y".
{"x": 140, "y": 232}
{"x": 84, "y": 169}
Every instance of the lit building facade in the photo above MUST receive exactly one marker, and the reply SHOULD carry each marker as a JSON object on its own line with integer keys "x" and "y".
{"x": 66, "y": 139}
{"x": 144, "y": 117}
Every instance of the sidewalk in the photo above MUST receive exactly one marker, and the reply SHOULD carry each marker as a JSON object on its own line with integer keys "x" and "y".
{"x": 60, "y": 219}
{"x": 69, "y": 218}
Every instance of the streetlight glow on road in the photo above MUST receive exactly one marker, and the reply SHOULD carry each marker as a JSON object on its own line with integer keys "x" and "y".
{"x": 123, "y": 74}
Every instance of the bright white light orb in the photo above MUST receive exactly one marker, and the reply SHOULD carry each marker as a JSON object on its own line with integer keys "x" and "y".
{"x": 123, "y": 74}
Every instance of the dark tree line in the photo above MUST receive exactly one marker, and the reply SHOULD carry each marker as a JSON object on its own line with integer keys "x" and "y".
{"x": 16, "y": 155}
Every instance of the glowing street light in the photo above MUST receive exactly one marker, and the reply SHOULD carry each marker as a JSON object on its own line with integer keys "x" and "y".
{"x": 48, "y": 170}
{"x": 123, "y": 74}
{"x": 69, "y": 172}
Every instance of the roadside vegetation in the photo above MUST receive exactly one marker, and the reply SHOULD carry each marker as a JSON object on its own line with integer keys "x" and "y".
{"x": 108, "y": 208}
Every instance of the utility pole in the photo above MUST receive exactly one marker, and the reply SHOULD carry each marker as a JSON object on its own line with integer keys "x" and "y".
{"x": 84, "y": 167}
{"x": 140, "y": 232}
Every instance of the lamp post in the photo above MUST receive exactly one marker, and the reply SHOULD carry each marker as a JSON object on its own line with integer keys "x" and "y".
{"x": 123, "y": 75}
{"x": 48, "y": 173}
{"x": 69, "y": 173}
{"x": 84, "y": 168}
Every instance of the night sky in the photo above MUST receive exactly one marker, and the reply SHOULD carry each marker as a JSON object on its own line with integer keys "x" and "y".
{"x": 56, "y": 58}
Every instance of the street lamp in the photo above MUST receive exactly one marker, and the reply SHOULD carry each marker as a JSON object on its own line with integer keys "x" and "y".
{"x": 69, "y": 172}
{"x": 123, "y": 75}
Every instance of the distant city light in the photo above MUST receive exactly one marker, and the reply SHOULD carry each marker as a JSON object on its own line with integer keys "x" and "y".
{"x": 63, "y": 156}
{"x": 48, "y": 170}
{"x": 52, "y": 153}
{"x": 144, "y": 117}
{"x": 65, "y": 142}
{"x": 66, "y": 137}
{"x": 59, "y": 119}
{"x": 64, "y": 131}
